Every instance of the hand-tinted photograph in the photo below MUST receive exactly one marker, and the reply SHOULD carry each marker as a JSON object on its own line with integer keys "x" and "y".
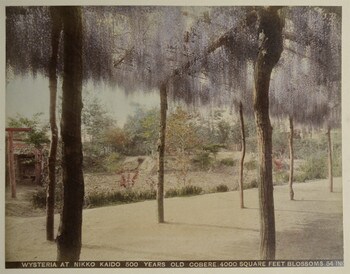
{"x": 173, "y": 136}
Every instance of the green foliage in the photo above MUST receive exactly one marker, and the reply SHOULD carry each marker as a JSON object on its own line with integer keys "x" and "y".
{"x": 38, "y": 199}
{"x": 91, "y": 162}
{"x": 96, "y": 199}
{"x": 228, "y": 162}
{"x": 142, "y": 129}
{"x": 95, "y": 120}
{"x": 280, "y": 177}
{"x": 96, "y": 123}
{"x": 202, "y": 160}
{"x": 337, "y": 159}
{"x": 280, "y": 142}
{"x": 38, "y": 134}
{"x": 221, "y": 188}
{"x": 251, "y": 144}
{"x": 181, "y": 141}
{"x": 182, "y": 135}
{"x": 184, "y": 191}
{"x": 315, "y": 167}
{"x": 249, "y": 130}
{"x": 251, "y": 165}
{"x": 305, "y": 147}
{"x": 112, "y": 162}
{"x": 223, "y": 131}
{"x": 213, "y": 148}
{"x": 251, "y": 184}
{"x": 337, "y": 153}
{"x": 118, "y": 140}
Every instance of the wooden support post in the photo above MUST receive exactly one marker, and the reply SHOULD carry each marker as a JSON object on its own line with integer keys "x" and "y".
{"x": 161, "y": 151}
{"x": 11, "y": 164}
{"x": 242, "y": 156}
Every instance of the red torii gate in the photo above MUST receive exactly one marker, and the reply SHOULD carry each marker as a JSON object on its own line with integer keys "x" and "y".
{"x": 11, "y": 157}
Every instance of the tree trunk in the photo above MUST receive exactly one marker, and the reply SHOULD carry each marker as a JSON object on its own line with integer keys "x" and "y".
{"x": 270, "y": 49}
{"x": 242, "y": 156}
{"x": 69, "y": 235}
{"x": 11, "y": 164}
{"x": 291, "y": 158}
{"x": 161, "y": 150}
{"x": 50, "y": 194}
{"x": 330, "y": 162}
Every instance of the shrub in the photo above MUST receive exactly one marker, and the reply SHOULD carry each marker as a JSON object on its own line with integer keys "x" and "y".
{"x": 172, "y": 192}
{"x": 281, "y": 177}
{"x": 299, "y": 177}
{"x": 251, "y": 165}
{"x": 280, "y": 142}
{"x": 213, "y": 148}
{"x": 337, "y": 160}
{"x": 147, "y": 195}
{"x": 314, "y": 168}
{"x": 112, "y": 162}
{"x": 305, "y": 147}
{"x": 252, "y": 184}
{"x": 39, "y": 199}
{"x": 95, "y": 199}
{"x": 228, "y": 162}
{"x": 202, "y": 160}
{"x": 184, "y": 191}
{"x": 222, "y": 188}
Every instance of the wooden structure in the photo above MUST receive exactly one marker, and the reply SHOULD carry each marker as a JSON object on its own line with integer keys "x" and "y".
{"x": 11, "y": 157}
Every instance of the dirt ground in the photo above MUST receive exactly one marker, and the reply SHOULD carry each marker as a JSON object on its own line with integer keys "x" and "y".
{"x": 205, "y": 227}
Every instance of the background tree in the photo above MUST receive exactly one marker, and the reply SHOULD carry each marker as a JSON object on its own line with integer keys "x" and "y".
{"x": 183, "y": 141}
{"x": 38, "y": 134}
{"x": 302, "y": 71}
{"x": 142, "y": 129}
{"x": 96, "y": 122}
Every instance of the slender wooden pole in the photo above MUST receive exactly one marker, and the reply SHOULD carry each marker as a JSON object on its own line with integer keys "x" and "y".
{"x": 161, "y": 151}
{"x": 11, "y": 164}
{"x": 291, "y": 159}
{"x": 242, "y": 156}
{"x": 330, "y": 162}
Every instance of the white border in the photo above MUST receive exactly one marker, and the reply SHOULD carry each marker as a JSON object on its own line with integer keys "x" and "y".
{"x": 345, "y": 126}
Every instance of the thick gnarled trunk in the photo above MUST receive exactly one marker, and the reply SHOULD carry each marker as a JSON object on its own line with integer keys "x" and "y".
{"x": 69, "y": 238}
{"x": 270, "y": 49}
{"x": 50, "y": 196}
{"x": 242, "y": 156}
{"x": 161, "y": 151}
{"x": 291, "y": 158}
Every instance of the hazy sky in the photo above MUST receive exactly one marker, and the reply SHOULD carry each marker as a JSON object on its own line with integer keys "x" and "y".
{"x": 29, "y": 95}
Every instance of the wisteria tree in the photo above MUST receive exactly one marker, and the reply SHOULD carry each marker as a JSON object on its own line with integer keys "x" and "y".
{"x": 30, "y": 32}
{"x": 22, "y": 30}
{"x": 304, "y": 89}
{"x": 199, "y": 55}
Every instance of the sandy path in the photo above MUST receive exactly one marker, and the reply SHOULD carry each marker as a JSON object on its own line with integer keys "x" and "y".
{"x": 205, "y": 227}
